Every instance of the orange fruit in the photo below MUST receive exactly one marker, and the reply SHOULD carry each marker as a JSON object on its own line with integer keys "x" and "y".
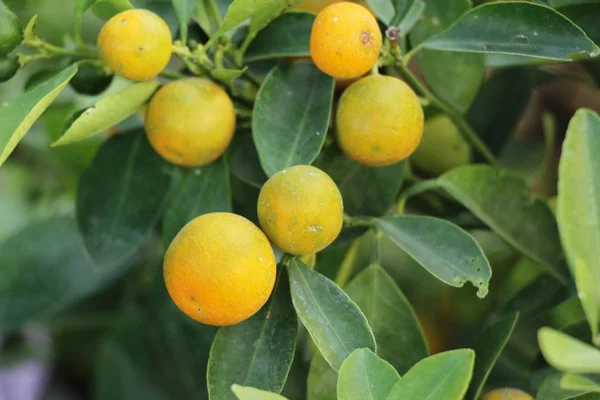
{"x": 507, "y": 394}
{"x": 345, "y": 40}
{"x": 190, "y": 122}
{"x": 315, "y": 6}
{"x": 301, "y": 210}
{"x": 220, "y": 269}
{"x": 136, "y": 44}
{"x": 379, "y": 121}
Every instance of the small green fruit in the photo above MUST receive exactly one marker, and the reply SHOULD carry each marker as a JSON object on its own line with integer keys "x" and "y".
{"x": 10, "y": 31}
{"x": 442, "y": 148}
{"x": 90, "y": 80}
{"x": 8, "y": 68}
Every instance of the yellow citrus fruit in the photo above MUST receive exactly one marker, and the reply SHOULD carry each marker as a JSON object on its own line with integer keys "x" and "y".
{"x": 379, "y": 121}
{"x": 190, "y": 122}
{"x": 136, "y": 44}
{"x": 220, "y": 269}
{"x": 301, "y": 210}
{"x": 345, "y": 40}
{"x": 507, "y": 394}
{"x": 442, "y": 147}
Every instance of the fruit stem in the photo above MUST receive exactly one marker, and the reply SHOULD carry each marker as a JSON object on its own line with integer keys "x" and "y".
{"x": 461, "y": 123}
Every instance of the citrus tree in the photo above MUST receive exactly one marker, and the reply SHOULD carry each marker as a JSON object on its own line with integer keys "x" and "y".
{"x": 271, "y": 199}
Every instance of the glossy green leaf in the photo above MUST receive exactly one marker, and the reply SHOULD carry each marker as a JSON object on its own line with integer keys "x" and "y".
{"x": 491, "y": 115}
{"x": 206, "y": 16}
{"x": 257, "y": 352}
{"x": 227, "y": 75}
{"x": 201, "y": 191}
{"x": 578, "y": 209}
{"x": 579, "y": 382}
{"x": 287, "y": 131}
{"x": 444, "y": 376}
{"x": 384, "y": 9}
{"x": 106, "y": 9}
{"x": 444, "y": 249}
{"x": 503, "y": 202}
{"x": 550, "y": 389}
{"x": 363, "y": 375}
{"x": 250, "y": 393}
{"x": 109, "y": 111}
{"x": 335, "y": 323}
{"x": 562, "y": 3}
{"x": 287, "y": 36}
{"x": 120, "y": 197}
{"x": 466, "y": 69}
{"x": 352, "y": 178}
{"x": 413, "y": 15}
{"x": 399, "y": 337}
{"x": 585, "y": 16}
{"x": 568, "y": 354}
{"x": 488, "y": 348}
{"x": 244, "y": 162}
{"x": 18, "y": 115}
{"x": 184, "y": 9}
{"x": 45, "y": 268}
{"x": 153, "y": 352}
{"x": 519, "y": 28}
{"x": 540, "y": 295}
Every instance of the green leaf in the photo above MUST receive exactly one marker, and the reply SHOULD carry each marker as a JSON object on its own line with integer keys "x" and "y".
{"x": 444, "y": 376}
{"x": 491, "y": 115}
{"x": 540, "y": 295}
{"x": 466, "y": 69}
{"x": 363, "y": 375}
{"x": 287, "y": 36}
{"x": 153, "y": 353}
{"x": 551, "y": 390}
{"x": 579, "y": 382}
{"x": 120, "y": 198}
{"x": 322, "y": 380}
{"x": 395, "y": 326}
{"x": 244, "y": 162}
{"x": 519, "y": 28}
{"x": 562, "y": 3}
{"x": 488, "y": 348}
{"x": 578, "y": 209}
{"x": 109, "y": 111}
{"x": 384, "y": 9}
{"x": 503, "y": 201}
{"x": 585, "y": 16}
{"x": 106, "y": 9}
{"x": 201, "y": 191}
{"x": 45, "y": 268}
{"x": 250, "y": 393}
{"x": 257, "y": 352}
{"x": 568, "y": 354}
{"x": 335, "y": 323}
{"x": 352, "y": 178}
{"x": 445, "y": 250}
{"x": 260, "y": 12}
{"x": 288, "y": 131}
{"x": 18, "y": 115}
{"x": 413, "y": 15}
{"x": 184, "y": 9}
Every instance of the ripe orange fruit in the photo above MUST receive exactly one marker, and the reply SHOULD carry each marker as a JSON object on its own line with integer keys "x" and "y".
{"x": 379, "y": 121}
{"x": 190, "y": 122}
{"x": 507, "y": 394}
{"x": 220, "y": 269}
{"x": 315, "y": 6}
{"x": 301, "y": 210}
{"x": 136, "y": 44}
{"x": 345, "y": 40}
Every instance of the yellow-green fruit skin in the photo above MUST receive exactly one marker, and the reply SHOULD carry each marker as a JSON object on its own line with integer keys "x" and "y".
{"x": 379, "y": 121}
{"x": 190, "y": 122}
{"x": 301, "y": 210}
{"x": 136, "y": 44}
{"x": 442, "y": 147}
{"x": 507, "y": 394}
{"x": 220, "y": 269}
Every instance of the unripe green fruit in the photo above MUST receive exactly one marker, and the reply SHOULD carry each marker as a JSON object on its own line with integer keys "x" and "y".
{"x": 8, "y": 68}
{"x": 90, "y": 80}
{"x": 442, "y": 148}
{"x": 10, "y": 31}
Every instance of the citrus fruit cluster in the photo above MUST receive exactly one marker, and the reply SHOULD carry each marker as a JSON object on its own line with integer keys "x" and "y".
{"x": 379, "y": 120}
{"x": 10, "y": 38}
{"x": 220, "y": 269}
